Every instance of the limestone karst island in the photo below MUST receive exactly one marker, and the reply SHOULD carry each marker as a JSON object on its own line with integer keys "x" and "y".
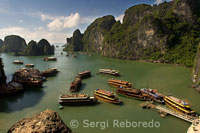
{"x": 117, "y": 66}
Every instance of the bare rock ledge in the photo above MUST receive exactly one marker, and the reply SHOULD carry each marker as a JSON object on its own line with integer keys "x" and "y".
{"x": 47, "y": 121}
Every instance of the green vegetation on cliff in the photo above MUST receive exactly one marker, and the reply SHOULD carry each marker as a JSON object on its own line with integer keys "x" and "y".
{"x": 93, "y": 36}
{"x": 36, "y": 49}
{"x": 168, "y": 32}
{"x": 32, "y": 49}
{"x": 75, "y": 43}
{"x": 1, "y": 43}
{"x": 13, "y": 43}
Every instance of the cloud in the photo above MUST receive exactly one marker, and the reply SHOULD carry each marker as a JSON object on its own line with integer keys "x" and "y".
{"x": 158, "y": 1}
{"x": 62, "y": 22}
{"x": 120, "y": 18}
{"x": 45, "y": 17}
{"x": 35, "y": 34}
{"x": 55, "y": 25}
{"x": 72, "y": 21}
{"x": 58, "y": 23}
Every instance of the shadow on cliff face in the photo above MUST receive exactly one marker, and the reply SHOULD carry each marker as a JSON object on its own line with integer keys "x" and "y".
{"x": 20, "y": 101}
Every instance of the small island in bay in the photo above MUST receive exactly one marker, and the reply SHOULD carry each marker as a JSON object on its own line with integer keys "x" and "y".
{"x": 17, "y": 45}
{"x": 37, "y": 49}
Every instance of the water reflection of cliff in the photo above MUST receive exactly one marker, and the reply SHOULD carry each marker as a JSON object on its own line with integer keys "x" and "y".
{"x": 20, "y": 101}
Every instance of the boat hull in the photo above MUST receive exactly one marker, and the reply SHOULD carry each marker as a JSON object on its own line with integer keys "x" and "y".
{"x": 78, "y": 102}
{"x": 160, "y": 98}
{"x": 107, "y": 100}
{"x": 132, "y": 96}
{"x": 181, "y": 109}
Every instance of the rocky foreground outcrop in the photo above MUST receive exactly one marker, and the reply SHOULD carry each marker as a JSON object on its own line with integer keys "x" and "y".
{"x": 47, "y": 121}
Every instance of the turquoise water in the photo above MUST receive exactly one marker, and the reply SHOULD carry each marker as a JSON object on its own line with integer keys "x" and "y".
{"x": 168, "y": 79}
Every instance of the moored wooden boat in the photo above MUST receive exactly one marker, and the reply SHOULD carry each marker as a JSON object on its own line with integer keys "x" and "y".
{"x": 76, "y": 99}
{"x": 154, "y": 95}
{"x": 28, "y": 77}
{"x": 119, "y": 83}
{"x": 84, "y": 74}
{"x": 181, "y": 106}
{"x": 106, "y": 96}
{"x": 29, "y": 65}
{"x": 132, "y": 93}
{"x": 75, "y": 85}
{"x": 50, "y": 59}
{"x": 50, "y": 72}
{"x": 109, "y": 71}
{"x": 18, "y": 62}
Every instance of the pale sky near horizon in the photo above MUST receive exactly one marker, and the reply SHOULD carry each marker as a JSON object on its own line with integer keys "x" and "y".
{"x": 56, "y": 20}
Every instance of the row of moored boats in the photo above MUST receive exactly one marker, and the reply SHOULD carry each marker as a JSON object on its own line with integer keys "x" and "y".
{"x": 124, "y": 89}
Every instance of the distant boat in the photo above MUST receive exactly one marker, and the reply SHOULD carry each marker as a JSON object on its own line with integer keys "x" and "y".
{"x": 109, "y": 71}
{"x": 29, "y": 65}
{"x": 106, "y": 96}
{"x": 119, "y": 83}
{"x": 76, "y": 99}
{"x": 154, "y": 95}
{"x": 18, "y": 62}
{"x": 50, "y": 59}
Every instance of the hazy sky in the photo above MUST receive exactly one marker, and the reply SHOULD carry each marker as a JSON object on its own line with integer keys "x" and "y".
{"x": 56, "y": 20}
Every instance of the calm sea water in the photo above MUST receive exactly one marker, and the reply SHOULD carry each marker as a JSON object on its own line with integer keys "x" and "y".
{"x": 168, "y": 79}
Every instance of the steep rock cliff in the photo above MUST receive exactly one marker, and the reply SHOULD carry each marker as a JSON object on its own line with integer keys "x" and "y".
{"x": 168, "y": 32}
{"x": 1, "y": 44}
{"x": 94, "y": 35}
{"x": 75, "y": 43}
{"x": 2, "y": 74}
{"x": 13, "y": 43}
{"x": 37, "y": 49}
